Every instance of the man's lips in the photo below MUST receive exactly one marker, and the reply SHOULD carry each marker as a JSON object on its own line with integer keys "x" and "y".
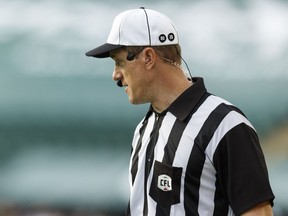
{"x": 124, "y": 84}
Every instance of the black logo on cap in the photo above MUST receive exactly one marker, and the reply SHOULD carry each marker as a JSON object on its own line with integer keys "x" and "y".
{"x": 162, "y": 38}
{"x": 171, "y": 37}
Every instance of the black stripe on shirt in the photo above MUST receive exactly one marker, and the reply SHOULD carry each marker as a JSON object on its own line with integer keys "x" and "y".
{"x": 173, "y": 142}
{"x": 169, "y": 155}
{"x": 134, "y": 168}
{"x": 150, "y": 155}
{"x": 197, "y": 158}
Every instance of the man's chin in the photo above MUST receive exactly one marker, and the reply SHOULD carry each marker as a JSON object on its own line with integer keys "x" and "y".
{"x": 136, "y": 102}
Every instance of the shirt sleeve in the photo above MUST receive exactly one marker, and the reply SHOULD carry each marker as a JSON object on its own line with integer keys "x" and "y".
{"x": 241, "y": 169}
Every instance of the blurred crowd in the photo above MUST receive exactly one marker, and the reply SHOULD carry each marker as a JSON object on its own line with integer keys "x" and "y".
{"x": 12, "y": 210}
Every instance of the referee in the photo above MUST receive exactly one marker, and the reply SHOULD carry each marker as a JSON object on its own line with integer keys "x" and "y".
{"x": 193, "y": 153}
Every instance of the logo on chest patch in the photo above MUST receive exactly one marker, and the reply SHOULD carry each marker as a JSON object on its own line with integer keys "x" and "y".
{"x": 164, "y": 182}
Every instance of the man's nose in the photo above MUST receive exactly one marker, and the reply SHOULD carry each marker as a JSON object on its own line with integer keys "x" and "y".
{"x": 116, "y": 75}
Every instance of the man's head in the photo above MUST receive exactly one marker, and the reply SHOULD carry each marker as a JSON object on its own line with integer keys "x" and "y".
{"x": 145, "y": 47}
{"x": 137, "y": 27}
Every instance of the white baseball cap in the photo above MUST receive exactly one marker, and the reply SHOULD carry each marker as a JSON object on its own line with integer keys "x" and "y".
{"x": 137, "y": 27}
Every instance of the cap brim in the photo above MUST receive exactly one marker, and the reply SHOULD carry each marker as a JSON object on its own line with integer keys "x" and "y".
{"x": 103, "y": 51}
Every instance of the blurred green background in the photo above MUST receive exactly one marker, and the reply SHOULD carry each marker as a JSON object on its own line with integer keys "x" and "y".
{"x": 66, "y": 128}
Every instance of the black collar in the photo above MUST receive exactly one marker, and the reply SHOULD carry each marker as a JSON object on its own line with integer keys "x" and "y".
{"x": 185, "y": 103}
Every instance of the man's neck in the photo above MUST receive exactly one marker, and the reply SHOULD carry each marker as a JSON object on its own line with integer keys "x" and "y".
{"x": 166, "y": 96}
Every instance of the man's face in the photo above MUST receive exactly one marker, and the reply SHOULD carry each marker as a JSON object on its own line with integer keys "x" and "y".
{"x": 133, "y": 76}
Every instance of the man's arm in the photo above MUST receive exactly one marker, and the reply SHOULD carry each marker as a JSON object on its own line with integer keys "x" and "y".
{"x": 264, "y": 209}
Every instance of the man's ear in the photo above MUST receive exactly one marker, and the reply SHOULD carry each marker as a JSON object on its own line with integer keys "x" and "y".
{"x": 149, "y": 57}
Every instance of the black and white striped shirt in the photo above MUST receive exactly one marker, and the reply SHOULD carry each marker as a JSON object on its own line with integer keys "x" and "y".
{"x": 199, "y": 157}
